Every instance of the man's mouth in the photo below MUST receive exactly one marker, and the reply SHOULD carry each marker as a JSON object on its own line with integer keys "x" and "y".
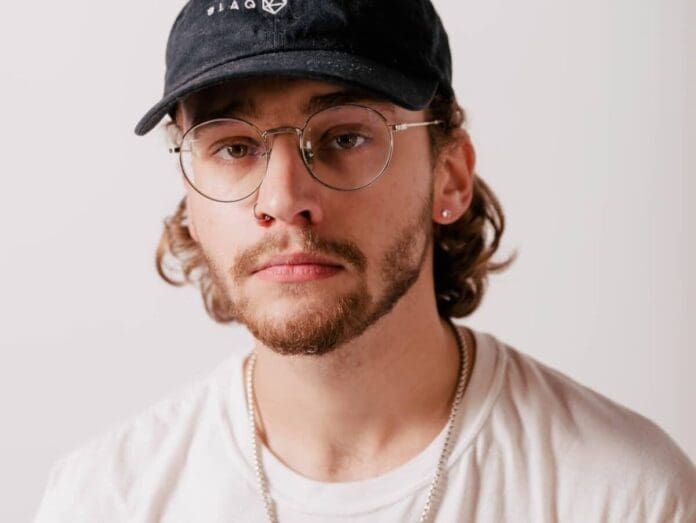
{"x": 297, "y": 267}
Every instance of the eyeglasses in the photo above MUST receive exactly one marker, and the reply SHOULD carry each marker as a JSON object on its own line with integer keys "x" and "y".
{"x": 345, "y": 147}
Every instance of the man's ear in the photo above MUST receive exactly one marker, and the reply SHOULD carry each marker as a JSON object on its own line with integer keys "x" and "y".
{"x": 178, "y": 122}
{"x": 190, "y": 222}
{"x": 453, "y": 186}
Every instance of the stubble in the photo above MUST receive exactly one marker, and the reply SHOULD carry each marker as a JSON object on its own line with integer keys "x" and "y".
{"x": 325, "y": 327}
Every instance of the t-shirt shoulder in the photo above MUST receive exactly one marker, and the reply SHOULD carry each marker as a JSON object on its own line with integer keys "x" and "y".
{"x": 616, "y": 452}
{"x": 111, "y": 464}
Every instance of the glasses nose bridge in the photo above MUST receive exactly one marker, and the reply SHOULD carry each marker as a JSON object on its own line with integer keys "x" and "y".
{"x": 304, "y": 151}
{"x": 281, "y": 130}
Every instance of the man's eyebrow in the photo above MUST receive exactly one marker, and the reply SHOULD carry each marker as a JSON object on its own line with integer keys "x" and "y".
{"x": 247, "y": 108}
{"x": 242, "y": 108}
{"x": 324, "y": 101}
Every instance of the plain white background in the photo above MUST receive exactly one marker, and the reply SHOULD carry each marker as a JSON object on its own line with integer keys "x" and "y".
{"x": 583, "y": 115}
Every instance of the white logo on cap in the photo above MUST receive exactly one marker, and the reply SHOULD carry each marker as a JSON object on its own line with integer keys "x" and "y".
{"x": 270, "y": 6}
{"x": 273, "y": 6}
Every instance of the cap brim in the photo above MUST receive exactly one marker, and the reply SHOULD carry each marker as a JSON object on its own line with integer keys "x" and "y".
{"x": 407, "y": 91}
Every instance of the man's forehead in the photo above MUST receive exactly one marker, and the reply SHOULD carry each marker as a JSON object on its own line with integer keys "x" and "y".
{"x": 250, "y": 98}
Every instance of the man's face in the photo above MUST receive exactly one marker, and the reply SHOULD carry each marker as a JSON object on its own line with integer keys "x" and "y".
{"x": 379, "y": 235}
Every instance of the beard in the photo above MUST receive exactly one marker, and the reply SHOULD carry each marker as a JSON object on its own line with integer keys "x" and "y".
{"x": 322, "y": 329}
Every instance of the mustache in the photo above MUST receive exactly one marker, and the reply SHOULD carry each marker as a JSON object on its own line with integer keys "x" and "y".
{"x": 308, "y": 241}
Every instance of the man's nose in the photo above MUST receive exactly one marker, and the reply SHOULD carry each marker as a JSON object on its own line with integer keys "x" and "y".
{"x": 288, "y": 192}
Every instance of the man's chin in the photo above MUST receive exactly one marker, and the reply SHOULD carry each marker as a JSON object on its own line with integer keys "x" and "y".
{"x": 293, "y": 327}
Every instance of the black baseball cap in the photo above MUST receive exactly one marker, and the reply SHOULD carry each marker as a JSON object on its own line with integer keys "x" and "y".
{"x": 397, "y": 49}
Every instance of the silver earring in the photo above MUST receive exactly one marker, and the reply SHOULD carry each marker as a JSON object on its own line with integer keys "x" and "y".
{"x": 265, "y": 216}
{"x": 446, "y": 214}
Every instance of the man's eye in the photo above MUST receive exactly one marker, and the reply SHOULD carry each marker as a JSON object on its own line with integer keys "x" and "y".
{"x": 235, "y": 150}
{"x": 347, "y": 141}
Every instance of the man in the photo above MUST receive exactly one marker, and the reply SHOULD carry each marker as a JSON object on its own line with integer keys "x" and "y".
{"x": 332, "y": 208}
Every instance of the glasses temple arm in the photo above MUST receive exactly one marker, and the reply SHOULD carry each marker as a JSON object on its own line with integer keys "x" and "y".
{"x": 404, "y": 126}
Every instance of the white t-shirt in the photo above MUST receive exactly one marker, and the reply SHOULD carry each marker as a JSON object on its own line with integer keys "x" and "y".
{"x": 532, "y": 445}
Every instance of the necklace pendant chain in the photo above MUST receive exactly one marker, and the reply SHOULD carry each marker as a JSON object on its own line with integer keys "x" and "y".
{"x": 433, "y": 490}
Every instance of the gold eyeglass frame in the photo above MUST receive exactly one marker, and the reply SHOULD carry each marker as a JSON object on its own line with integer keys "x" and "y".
{"x": 299, "y": 132}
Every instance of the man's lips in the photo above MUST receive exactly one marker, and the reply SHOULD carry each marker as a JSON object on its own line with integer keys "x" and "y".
{"x": 298, "y": 258}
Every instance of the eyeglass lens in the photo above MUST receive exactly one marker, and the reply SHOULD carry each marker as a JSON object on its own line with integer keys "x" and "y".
{"x": 344, "y": 147}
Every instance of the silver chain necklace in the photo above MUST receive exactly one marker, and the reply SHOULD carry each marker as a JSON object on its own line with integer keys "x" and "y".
{"x": 464, "y": 370}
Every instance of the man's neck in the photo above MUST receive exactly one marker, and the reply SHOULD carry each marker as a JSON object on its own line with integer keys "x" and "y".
{"x": 365, "y": 408}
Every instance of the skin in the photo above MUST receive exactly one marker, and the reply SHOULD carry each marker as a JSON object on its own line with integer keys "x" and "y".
{"x": 380, "y": 380}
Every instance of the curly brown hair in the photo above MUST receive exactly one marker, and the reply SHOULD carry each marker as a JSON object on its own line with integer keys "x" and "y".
{"x": 462, "y": 250}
